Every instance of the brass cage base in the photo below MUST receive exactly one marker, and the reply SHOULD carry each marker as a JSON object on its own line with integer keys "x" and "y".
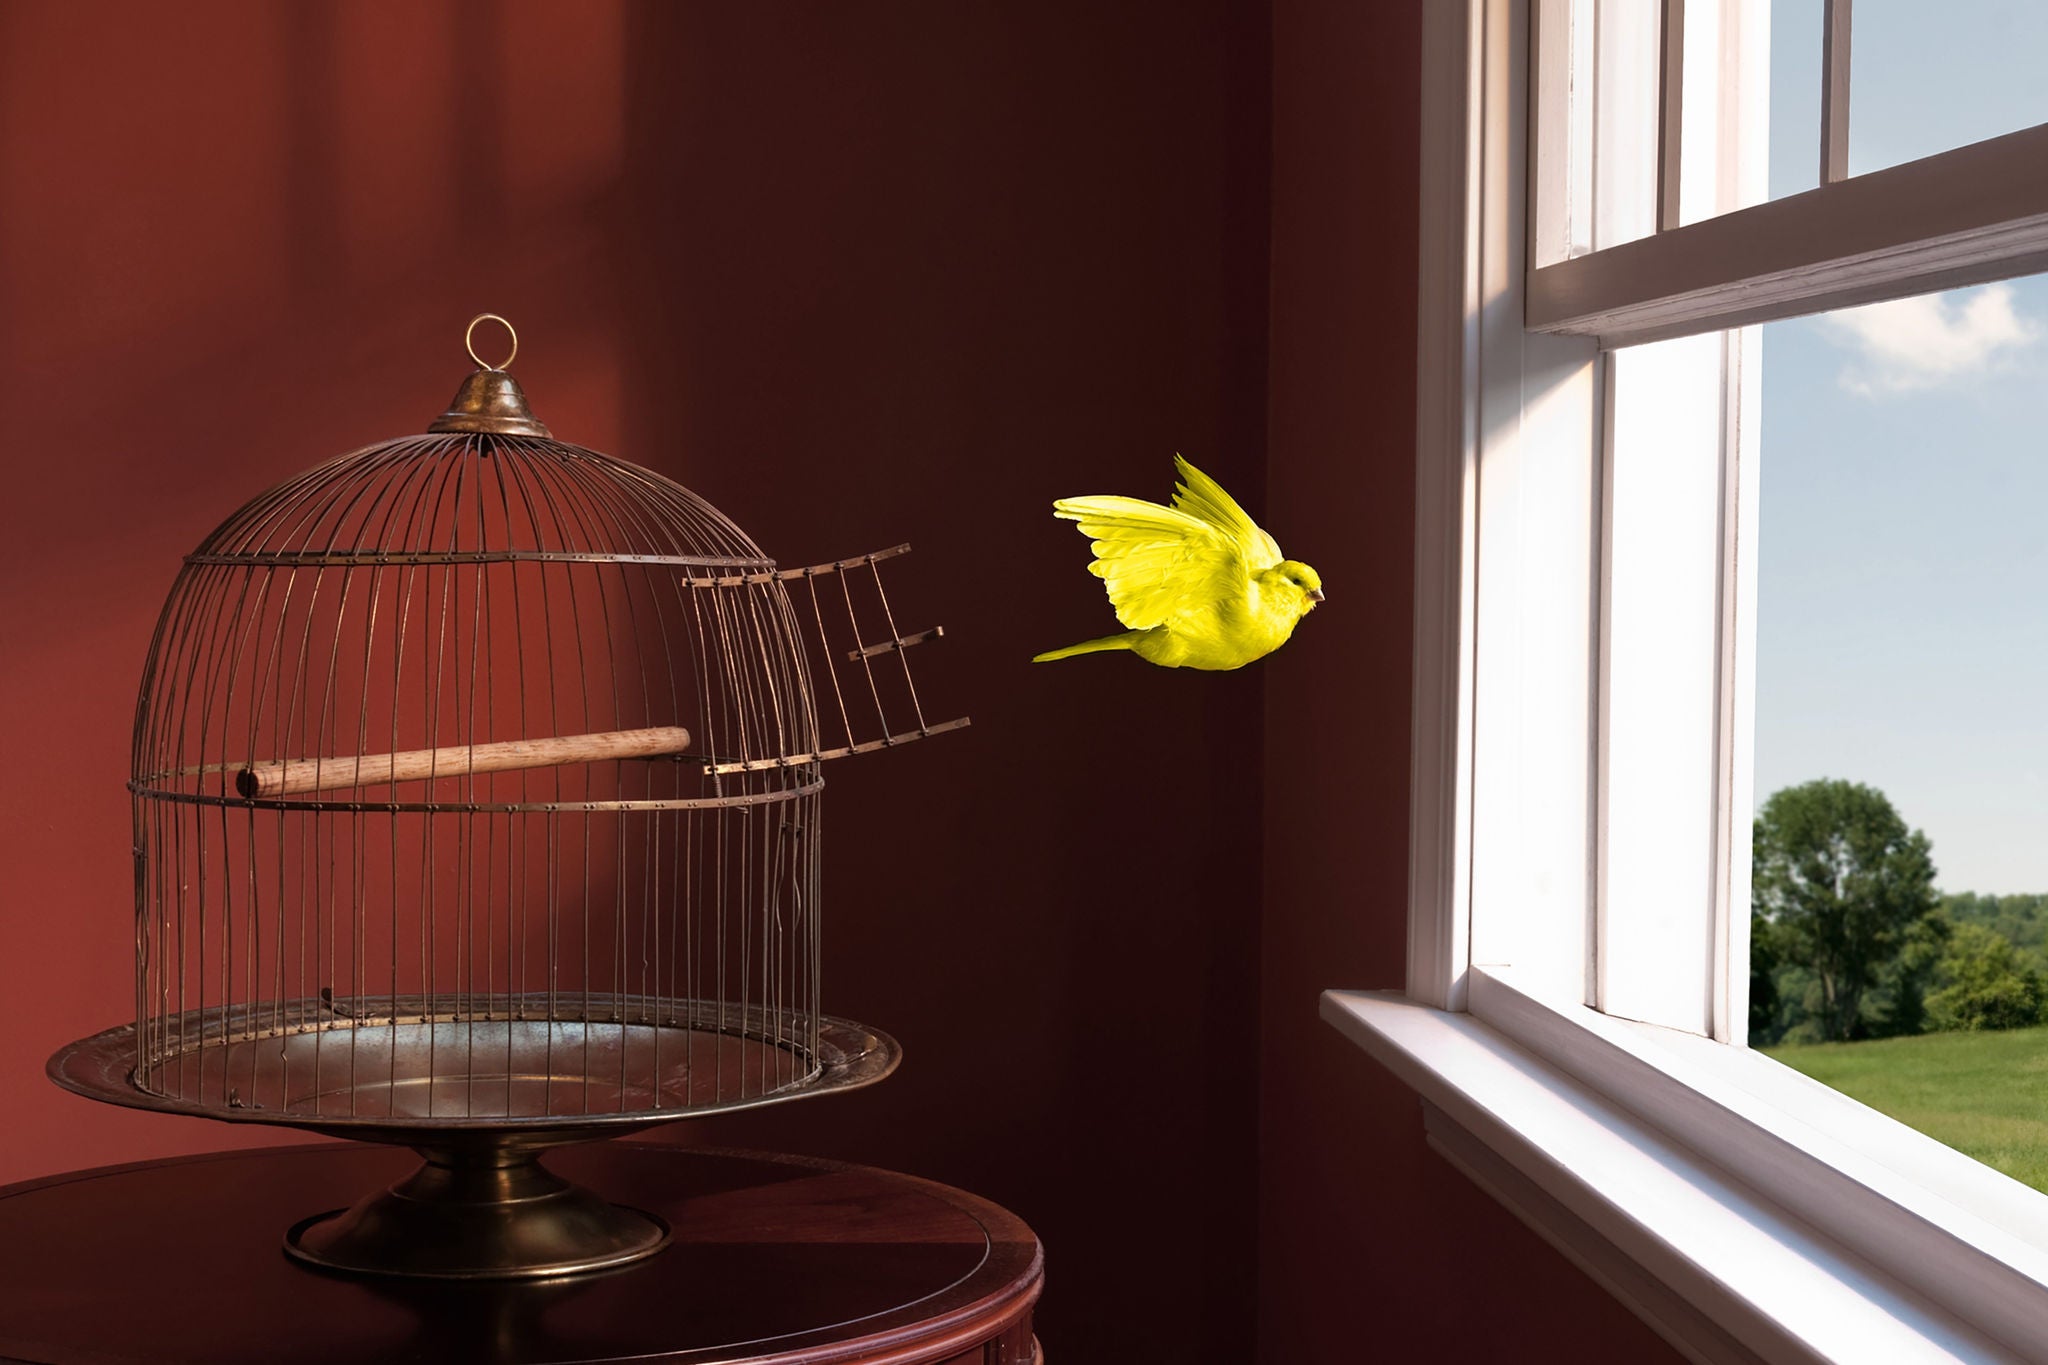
{"x": 482, "y": 1209}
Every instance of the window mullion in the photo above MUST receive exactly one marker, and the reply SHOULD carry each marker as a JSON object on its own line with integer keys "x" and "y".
{"x": 1834, "y": 95}
{"x": 1735, "y": 682}
{"x": 1561, "y": 173}
{"x": 1671, "y": 115}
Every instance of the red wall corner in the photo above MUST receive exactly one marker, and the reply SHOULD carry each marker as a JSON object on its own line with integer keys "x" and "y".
{"x": 1371, "y": 1246}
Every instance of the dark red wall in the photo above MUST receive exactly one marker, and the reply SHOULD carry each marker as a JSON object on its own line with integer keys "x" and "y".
{"x": 859, "y": 274}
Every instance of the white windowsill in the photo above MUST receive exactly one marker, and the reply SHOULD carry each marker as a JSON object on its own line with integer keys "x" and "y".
{"x": 1743, "y": 1210}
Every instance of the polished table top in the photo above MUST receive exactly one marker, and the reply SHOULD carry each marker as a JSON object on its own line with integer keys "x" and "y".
{"x": 774, "y": 1259}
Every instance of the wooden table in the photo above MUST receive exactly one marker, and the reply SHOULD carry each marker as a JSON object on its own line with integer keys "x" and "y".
{"x": 775, "y": 1259}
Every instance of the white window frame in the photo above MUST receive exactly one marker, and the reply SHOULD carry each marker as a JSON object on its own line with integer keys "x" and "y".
{"x": 1743, "y": 1210}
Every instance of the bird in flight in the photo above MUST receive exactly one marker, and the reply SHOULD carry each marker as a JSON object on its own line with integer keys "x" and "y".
{"x": 1197, "y": 584}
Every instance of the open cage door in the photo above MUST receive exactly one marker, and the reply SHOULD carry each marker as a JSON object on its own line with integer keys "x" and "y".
{"x": 859, "y": 663}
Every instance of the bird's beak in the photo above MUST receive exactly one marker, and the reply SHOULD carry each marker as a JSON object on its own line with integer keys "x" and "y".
{"x": 1315, "y": 594}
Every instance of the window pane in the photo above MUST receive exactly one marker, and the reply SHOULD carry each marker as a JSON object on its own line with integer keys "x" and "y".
{"x": 1625, "y": 125}
{"x": 1658, "y": 692}
{"x": 1924, "y": 78}
{"x": 1934, "y": 76}
{"x": 1795, "y": 95}
{"x": 1717, "y": 41}
{"x": 1751, "y": 70}
{"x": 1596, "y": 124}
{"x": 1902, "y": 670}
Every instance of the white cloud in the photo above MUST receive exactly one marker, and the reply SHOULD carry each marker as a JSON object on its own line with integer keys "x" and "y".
{"x": 1934, "y": 339}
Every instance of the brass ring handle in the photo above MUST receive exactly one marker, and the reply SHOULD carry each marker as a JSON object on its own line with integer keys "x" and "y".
{"x": 469, "y": 341}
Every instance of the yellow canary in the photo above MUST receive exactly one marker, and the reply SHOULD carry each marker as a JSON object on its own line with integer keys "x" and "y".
{"x": 1198, "y": 584}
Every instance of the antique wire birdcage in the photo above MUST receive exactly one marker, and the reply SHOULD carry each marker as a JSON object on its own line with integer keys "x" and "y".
{"x": 477, "y": 786}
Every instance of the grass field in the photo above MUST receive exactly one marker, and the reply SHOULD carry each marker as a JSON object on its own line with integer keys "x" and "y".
{"x": 1985, "y": 1094}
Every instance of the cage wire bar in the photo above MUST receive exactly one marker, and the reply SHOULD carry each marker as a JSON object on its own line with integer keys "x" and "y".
{"x": 477, "y": 787}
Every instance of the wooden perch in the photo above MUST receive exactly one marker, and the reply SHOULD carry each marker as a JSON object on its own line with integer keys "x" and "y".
{"x": 289, "y": 776}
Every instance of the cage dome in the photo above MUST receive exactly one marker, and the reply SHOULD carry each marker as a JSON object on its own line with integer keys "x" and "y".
{"x": 477, "y": 786}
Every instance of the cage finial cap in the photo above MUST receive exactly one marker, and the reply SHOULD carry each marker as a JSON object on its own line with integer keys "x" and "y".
{"x": 490, "y": 399}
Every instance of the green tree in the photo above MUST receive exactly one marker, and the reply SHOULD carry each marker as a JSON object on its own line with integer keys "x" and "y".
{"x": 2023, "y": 918}
{"x": 1987, "y": 983}
{"x": 1900, "y": 998}
{"x": 1842, "y": 880}
{"x": 1765, "y": 1005}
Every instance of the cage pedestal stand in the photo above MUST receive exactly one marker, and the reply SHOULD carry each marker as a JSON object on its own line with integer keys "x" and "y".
{"x": 482, "y": 1207}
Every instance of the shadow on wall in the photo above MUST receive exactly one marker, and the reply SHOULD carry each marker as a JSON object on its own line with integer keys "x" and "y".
{"x": 918, "y": 271}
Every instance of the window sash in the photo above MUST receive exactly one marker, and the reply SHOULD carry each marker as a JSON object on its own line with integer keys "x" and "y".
{"x": 1534, "y": 783}
{"x": 1674, "y": 133}
{"x": 1717, "y": 258}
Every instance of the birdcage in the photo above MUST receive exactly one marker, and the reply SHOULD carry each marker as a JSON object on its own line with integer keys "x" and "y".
{"x": 477, "y": 782}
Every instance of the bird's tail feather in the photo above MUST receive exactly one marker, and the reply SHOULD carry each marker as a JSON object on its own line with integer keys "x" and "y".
{"x": 1127, "y": 640}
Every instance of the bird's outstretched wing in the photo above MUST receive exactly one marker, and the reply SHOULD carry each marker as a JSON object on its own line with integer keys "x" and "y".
{"x": 1158, "y": 562}
{"x": 1199, "y": 495}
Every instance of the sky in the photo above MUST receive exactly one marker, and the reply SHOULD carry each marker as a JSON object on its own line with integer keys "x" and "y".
{"x": 1903, "y": 572}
